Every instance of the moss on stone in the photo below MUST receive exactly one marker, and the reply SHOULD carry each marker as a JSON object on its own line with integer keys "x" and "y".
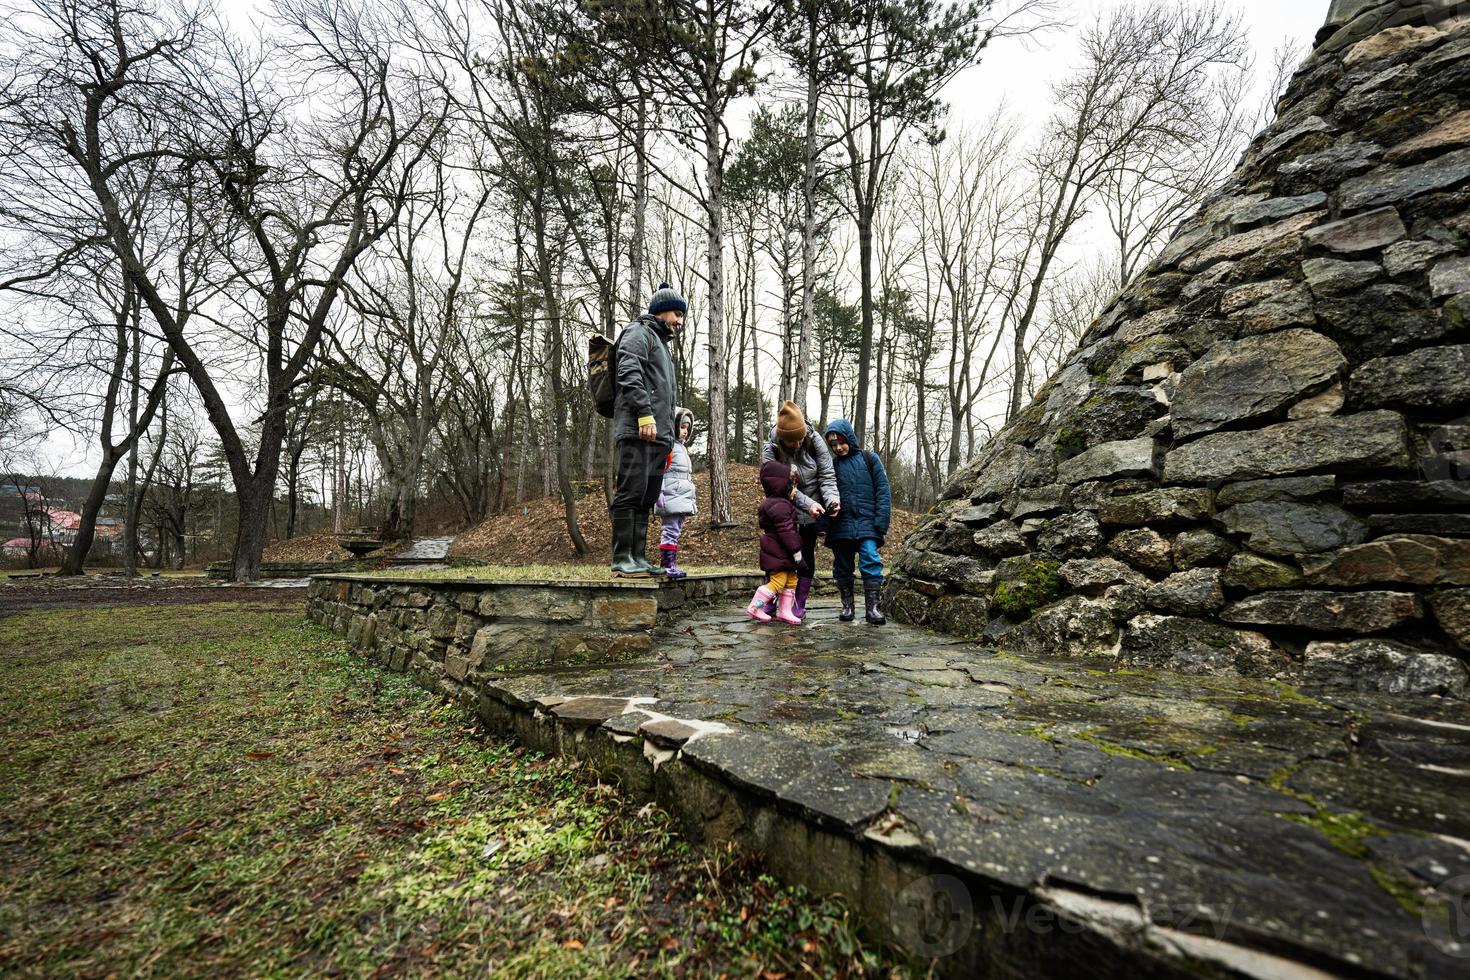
{"x": 1030, "y": 587}
{"x": 1069, "y": 442}
{"x": 1345, "y": 831}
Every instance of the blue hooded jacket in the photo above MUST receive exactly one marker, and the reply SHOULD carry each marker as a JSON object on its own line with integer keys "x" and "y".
{"x": 863, "y": 485}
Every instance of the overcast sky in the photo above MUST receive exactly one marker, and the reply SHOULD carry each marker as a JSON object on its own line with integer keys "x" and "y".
{"x": 1012, "y": 74}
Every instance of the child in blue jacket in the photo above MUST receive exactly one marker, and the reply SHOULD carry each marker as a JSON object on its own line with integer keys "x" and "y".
{"x": 856, "y": 533}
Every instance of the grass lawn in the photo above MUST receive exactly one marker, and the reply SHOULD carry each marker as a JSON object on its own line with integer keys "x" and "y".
{"x": 222, "y": 788}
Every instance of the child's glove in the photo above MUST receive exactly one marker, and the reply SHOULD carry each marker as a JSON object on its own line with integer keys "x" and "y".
{"x": 797, "y": 557}
{"x": 660, "y": 501}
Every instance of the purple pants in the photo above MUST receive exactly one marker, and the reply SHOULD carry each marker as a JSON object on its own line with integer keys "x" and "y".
{"x": 672, "y": 527}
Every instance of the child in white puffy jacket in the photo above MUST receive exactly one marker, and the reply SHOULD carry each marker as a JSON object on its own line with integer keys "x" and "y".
{"x": 676, "y": 503}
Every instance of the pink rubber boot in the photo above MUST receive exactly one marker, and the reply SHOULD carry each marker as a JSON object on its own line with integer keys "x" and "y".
{"x": 786, "y": 612}
{"x": 757, "y": 608}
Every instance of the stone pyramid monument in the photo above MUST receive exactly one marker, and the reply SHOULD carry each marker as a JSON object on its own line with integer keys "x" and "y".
{"x": 1258, "y": 460}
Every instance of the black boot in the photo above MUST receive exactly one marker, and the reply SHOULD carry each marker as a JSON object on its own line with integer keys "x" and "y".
{"x": 640, "y": 545}
{"x": 872, "y": 593}
{"x": 623, "y": 532}
{"x": 845, "y": 590}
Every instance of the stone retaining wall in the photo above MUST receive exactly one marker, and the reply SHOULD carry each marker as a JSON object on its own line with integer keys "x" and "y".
{"x": 453, "y": 635}
{"x": 1258, "y": 460}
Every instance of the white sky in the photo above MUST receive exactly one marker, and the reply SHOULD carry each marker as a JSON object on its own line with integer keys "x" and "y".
{"x": 1012, "y": 73}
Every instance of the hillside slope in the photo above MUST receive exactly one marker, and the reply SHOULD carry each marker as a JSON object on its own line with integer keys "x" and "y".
{"x": 536, "y": 531}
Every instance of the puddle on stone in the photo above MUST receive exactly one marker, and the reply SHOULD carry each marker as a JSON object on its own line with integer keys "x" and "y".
{"x": 906, "y": 734}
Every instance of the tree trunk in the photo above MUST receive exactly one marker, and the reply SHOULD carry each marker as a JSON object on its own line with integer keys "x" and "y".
{"x": 76, "y": 555}
{"x": 808, "y": 215}
{"x": 865, "y": 347}
{"x": 719, "y": 469}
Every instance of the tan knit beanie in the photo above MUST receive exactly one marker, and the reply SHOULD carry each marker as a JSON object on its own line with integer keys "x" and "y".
{"x": 790, "y": 423}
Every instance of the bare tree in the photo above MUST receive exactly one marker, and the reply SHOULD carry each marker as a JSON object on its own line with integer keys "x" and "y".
{"x": 1144, "y": 72}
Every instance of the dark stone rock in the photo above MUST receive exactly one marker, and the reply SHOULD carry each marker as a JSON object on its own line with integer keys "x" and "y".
{"x": 1435, "y": 378}
{"x": 1092, "y": 575}
{"x": 1276, "y": 143}
{"x": 1332, "y": 277}
{"x": 1000, "y": 475}
{"x": 1414, "y": 256}
{"x": 1144, "y": 549}
{"x": 1200, "y": 547}
{"x": 589, "y": 711}
{"x": 1158, "y": 506}
{"x": 1384, "y": 318}
{"x": 1254, "y": 240}
{"x": 1328, "y": 166}
{"x": 964, "y": 573}
{"x": 977, "y": 514}
{"x": 1360, "y": 233}
{"x": 1051, "y": 499}
{"x": 909, "y": 606}
{"x": 1276, "y": 208}
{"x": 1000, "y": 539}
{"x": 1443, "y": 524}
{"x": 962, "y": 615}
{"x": 1253, "y": 573}
{"x": 1131, "y": 457}
{"x": 1411, "y": 559}
{"x": 1368, "y": 440}
{"x": 1287, "y": 488}
{"x": 1283, "y": 527}
{"x": 1111, "y": 415}
{"x": 1391, "y": 184}
{"x": 668, "y": 732}
{"x": 1071, "y": 535}
{"x": 1384, "y": 666}
{"x": 1290, "y": 307}
{"x": 1450, "y": 277}
{"x": 1149, "y": 359}
{"x": 1451, "y": 608}
{"x": 1074, "y": 627}
{"x": 1346, "y": 612}
{"x": 1407, "y": 493}
{"x": 1195, "y": 592}
{"x": 1198, "y": 646}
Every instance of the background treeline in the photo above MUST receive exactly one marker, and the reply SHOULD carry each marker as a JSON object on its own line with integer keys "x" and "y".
{"x": 352, "y": 259}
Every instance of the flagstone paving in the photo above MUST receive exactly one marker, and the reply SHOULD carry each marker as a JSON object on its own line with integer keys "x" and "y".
{"x": 1236, "y": 822}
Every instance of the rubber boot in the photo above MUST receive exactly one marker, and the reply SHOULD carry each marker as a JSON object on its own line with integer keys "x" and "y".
{"x": 803, "y": 589}
{"x": 872, "y": 594}
{"x": 623, "y": 565}
{"x": 848, "y": 614}
{"x": 668, "y": 555}
{"x": 756, "y": 608}
{"x": 785, "y": 611}
{"x": 640, "y": 544}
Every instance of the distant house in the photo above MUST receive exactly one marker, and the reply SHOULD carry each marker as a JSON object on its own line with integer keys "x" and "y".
{"x": 16, "y": 546}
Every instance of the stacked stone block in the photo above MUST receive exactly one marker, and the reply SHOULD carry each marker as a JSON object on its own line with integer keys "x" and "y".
{"x": 1258, "y": 459}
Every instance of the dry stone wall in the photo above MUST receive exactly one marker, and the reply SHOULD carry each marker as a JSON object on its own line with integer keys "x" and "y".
{"x": 1258, "y": 460}
{"x": 453, "y": 636}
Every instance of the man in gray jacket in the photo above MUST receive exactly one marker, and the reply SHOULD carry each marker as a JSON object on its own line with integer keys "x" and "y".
{"x": 643, "y": 426}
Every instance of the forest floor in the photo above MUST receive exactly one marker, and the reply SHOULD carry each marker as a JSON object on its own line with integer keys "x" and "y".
{"x": 218, "y": 787}
{"x": 536, "y": 531}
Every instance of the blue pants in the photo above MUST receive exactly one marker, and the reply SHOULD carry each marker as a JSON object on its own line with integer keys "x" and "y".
{"x": 864, "y": 552}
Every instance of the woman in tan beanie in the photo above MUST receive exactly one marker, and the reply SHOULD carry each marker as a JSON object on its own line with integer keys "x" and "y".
{"x": 795, "y": 442}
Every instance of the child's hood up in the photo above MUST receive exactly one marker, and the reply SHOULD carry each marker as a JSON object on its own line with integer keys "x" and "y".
{"x": 776, "y": 478}
{"x": 843, "y": 428}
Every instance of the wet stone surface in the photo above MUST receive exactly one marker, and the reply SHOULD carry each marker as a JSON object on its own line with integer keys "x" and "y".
{"x": 1315, "y": 823}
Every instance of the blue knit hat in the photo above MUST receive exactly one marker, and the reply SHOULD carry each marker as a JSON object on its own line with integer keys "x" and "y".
{"x": 666, "y": 297}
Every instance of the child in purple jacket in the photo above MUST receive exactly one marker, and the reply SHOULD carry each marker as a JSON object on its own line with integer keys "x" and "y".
{"x": 780, "y": 545}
